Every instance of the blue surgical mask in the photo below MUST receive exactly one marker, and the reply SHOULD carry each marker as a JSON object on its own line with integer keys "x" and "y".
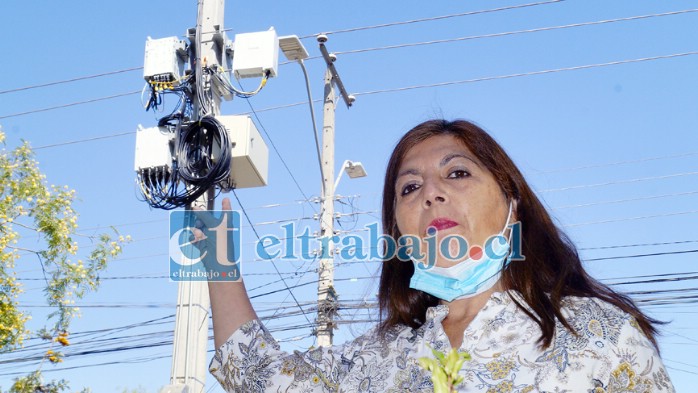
{"x": 468, "y": 277}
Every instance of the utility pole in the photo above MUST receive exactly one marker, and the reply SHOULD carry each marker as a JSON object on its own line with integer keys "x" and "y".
{"x": 189, "y": 360}
{"x": 327, "y": 296}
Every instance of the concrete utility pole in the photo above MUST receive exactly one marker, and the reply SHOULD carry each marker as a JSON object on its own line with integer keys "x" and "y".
{"x": 189, "y": 360}
{"x": 327, "y": 297}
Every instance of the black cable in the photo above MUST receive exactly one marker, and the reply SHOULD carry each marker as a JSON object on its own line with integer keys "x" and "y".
{"x": 271, "y": 260}
{"x": 203, "y": 153}
{"x": 202, "y": 159}
{"x": 276, "y": 150}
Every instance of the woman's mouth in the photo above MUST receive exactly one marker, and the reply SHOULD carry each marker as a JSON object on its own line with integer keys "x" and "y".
{"x": 442, "y": 223}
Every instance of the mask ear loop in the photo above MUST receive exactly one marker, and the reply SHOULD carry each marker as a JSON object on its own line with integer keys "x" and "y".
{"x": 506, "y": 224}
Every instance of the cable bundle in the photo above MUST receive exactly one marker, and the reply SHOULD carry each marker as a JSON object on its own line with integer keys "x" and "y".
{"x": 180, "y": 88}
{"x": 203, "y": 154}
{"x": 223, "y": 82}
{"x": 202, "y": 158}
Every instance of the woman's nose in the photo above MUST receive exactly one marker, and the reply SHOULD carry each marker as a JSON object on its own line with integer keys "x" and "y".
{"x": 433, "y": 193}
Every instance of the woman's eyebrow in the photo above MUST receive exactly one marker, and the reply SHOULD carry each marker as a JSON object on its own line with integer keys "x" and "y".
{"x": 408, "y": 172}
{"x": 444, "y": 161}
{"x": 451, "y": 156}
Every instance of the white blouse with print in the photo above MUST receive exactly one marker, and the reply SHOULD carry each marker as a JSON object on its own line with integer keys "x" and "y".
{"x": 609, "y": 353}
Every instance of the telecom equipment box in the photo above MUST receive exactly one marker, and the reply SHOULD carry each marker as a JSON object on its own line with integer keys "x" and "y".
{"x": 164, "y": 59}
{"x": 250, "y": 154}
{"x": 153, "y": 148}
{"x": 256, "y": 53}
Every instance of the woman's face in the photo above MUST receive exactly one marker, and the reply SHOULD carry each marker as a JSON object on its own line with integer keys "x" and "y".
{"x": 442, "y": 184}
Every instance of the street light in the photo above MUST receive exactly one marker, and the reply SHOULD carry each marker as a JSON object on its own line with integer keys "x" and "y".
{"x": 292, "y": 48}
{"x": 353, "y": 170}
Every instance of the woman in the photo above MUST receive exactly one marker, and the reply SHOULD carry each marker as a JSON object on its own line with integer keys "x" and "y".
{"x": 519, "y": 303}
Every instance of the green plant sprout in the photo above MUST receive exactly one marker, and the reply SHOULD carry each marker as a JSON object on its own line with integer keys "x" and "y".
{"x": 444, "y": 369}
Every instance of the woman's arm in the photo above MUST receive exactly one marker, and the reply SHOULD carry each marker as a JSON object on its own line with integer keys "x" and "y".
{"x": 247, "y": 357}
{"x": 230, "y": 308}
{"x": 230, "y": 305}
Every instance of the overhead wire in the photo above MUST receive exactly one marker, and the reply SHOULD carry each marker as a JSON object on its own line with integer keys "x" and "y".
{"x": 637, "y": 245}
{"x": 341, "y": 263}
{"x": 79, "y": 78}
{"x": 613, "y": 220}
{"x": 658, "y": 280}
{"x": 644, "y": 198}
{"x": 616, "y": 163}
{"x": 517, "y": 75}
{"x": 369, "y": 49}
{"x": 510, "y": 33}
{"x": 255, "y": 111}
{"x": 70, "y": 80}
{"x": 615, "y": 182}
{"x": 272, "y": 261}
{"x": 278, "y": 153}
{"x": 653, "y": 275}
{"x": 412, "y": 87}
{"x": 97, "y": 346}
{"x": 70, "y": 104}
{"x": 83, "y": 140}
{"x": 433, "y": 18}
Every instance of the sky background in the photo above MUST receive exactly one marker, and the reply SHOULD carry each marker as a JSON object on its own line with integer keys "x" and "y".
{"x": 611, "y": 150}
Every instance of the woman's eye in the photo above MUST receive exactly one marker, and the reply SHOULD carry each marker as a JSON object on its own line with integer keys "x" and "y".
{"x": 458, "y": 173}
{"x": 408, "y": 189}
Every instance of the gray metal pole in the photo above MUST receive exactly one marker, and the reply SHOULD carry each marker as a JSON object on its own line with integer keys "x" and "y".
{"x": 327, "y": 296}
{"x": 189, "y": 360}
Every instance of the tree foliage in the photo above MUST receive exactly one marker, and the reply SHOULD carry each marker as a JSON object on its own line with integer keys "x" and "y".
{"x": 29, "y": 207}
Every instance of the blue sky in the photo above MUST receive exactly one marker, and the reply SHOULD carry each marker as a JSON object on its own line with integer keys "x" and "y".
{"x": 611, "y": 150}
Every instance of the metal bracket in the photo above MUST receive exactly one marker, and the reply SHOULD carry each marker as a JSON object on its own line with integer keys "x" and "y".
{"x": 329, "y": 59}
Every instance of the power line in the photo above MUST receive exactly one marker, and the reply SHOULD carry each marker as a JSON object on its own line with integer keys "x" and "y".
{"x": 682, "y": 370}
{"x": 657, "y": 280}
{"x": 385, "y": 90}
{"x": 641, "y": 179}
{"x": 272, "y": 261}
{"x": 273, "y": 145}
{"x": 83, "y": 140}
{"x": 630, "y": 218}
{"x": 637, "y": 245}
{"x": 297, "y": 273}
{"x": 661, "y": 291}
{"x": 383, "y": 25}
{"x": 71, "y": 104}
{"x": 653, "y": 275}
{"x": 134, "y": 132}
{"x": 137, "y": 360}
{"x": 80, "y": 78}
{"x": 509, "y": 76}
{"x": 625, "y": 200}
{"x": 398, "y": 46}
{"x": 97, "y": 346}
{"x": 615, "y": 163}
{"x": 405, "y": 89}
{"x": 510, "y": 33}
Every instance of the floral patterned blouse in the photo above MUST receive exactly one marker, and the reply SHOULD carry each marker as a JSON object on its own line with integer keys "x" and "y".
{"x": 609, "y": 354}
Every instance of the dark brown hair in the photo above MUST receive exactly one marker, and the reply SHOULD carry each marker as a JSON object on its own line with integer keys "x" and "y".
{"x": 551, "y": 271}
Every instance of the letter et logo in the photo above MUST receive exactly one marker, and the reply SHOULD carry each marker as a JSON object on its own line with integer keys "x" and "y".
{"x": 204, "y": 245}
